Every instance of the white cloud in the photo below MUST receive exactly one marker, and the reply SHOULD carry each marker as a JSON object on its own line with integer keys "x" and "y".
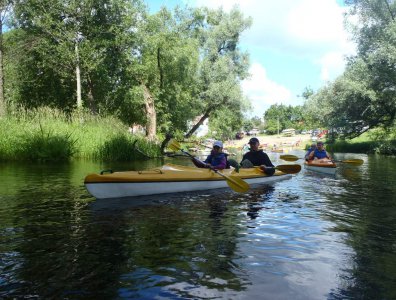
{"x": 263, "y": 92}
{"x": 305, "y": 30}
{"x": 332, "y": 64}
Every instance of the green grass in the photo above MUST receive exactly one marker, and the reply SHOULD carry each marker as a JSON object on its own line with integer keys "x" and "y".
{"x": 49, "y": 135}
{"x": 375, "y": 141}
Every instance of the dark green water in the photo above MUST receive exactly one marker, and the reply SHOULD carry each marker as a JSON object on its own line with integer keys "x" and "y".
{"x": 311, "y": 237}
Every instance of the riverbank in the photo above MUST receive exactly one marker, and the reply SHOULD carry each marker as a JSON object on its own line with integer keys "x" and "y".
{"x": 272, "y": 142}
{"x": 49, "y": 135}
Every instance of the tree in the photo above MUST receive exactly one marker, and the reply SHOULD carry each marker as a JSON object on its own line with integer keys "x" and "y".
{"x": 223, "y": 65}
{"x": 225, "y": 123}
{"x": 364, "y": 96}
{"x": 164, "y": 66}
{"x": 279, "y": 117}
{"x": 79, "y": 42}
{"x": 5, "y": 6}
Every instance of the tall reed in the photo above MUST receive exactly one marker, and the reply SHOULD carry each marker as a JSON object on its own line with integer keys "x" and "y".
{"x": 49, "y": 135}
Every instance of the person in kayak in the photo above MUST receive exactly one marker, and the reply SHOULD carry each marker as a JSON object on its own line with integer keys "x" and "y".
{"x": 216, "y": 159}
{"x": 319, "y": 152}
{"x": 310, "y": 149}
{"x": 256, "y": 157}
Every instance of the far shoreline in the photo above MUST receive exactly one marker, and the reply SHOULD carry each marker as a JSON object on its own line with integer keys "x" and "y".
{"x": 269, "y": 142}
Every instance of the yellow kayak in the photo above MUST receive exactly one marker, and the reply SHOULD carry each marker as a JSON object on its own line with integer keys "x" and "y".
{"x": 170, "y": 178}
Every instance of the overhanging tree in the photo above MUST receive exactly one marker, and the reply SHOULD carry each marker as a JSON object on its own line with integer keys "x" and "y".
{"x": 364, "y": 96}
{"x": 223, "y": 65}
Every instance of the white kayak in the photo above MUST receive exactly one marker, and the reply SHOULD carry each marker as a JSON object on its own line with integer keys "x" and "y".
{"x": 170, "y": 178}
{"x": 324, "y": 165}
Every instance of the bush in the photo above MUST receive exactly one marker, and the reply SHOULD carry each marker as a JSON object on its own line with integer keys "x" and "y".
{"x": 47, "y": 147}
{"x": 386, "y": 147}
{"x": 123, "y": 147}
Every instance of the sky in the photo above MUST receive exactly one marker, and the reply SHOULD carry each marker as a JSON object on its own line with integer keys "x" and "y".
{"x": 293, "y": 44}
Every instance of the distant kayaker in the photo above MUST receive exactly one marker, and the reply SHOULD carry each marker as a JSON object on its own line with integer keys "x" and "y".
{"x": 216, "y": 159}
{"x": 319, "y": 152}
{"x": 310, "y": 149}
{"x": 257, "y": 157}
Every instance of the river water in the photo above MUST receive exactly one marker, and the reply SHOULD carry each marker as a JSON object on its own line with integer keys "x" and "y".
{"x": 311, "y": 237}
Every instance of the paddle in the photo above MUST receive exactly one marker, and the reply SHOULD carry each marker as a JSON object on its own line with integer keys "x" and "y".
{"x": 357, "y": 162}
{"x": 289, "y": 157}
{"x": 289, "y": 169}
{"x": 235, "y": 183}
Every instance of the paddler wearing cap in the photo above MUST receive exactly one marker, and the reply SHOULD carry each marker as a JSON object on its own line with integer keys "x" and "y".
{"x": 257, "y": 157}
{"x": 216, "y": 159}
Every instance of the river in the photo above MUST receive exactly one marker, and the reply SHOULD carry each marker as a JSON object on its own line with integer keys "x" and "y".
{"x": 311, "y": 237}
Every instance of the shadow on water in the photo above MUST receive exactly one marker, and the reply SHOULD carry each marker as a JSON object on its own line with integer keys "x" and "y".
{"x": 178, "y": 245}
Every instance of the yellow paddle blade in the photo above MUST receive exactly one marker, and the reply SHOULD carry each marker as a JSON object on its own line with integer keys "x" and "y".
{"x": 356, "y": 162}
{"x": 289, "y": 169}
{"x": 289, "y": 157}
{"x": 174, "y": 145}
{"x": 237, "y": 184}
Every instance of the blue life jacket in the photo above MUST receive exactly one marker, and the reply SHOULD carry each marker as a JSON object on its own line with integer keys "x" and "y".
{"x": 320, "y": 154}
{"x": 216, "y": 160}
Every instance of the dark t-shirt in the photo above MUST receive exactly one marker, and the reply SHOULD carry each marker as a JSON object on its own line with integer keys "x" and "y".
{"x": 258, "y": 158}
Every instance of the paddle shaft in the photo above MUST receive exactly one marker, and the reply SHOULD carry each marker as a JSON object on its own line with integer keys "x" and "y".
{"x": 355, "y": 161}
{"x": 237, "y": 184}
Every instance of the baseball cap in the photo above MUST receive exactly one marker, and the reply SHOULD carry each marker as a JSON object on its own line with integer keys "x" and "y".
{"x": 254, "y": 140}
{"x": 218, "y": 144}
{"x": 319, "y": 143}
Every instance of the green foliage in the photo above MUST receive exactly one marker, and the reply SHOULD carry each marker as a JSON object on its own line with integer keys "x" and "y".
{"x": 224, "y": 124}
{"x": 167, "y": 67}
{"x": 344, "y": 146}
{"x": 379, "y": 141}
{"x": 223, "y": 65}
{"x": 122, "y": 147}
{"x": 364, "y": 97}
{"x": 50, "y": 135}
{"x": 43, "y": 146}
{"x": 55, "y": 37}
{"x": 386, "y": 147}
{"x": 279, "y": 117}
{"x": 187, "y": 62}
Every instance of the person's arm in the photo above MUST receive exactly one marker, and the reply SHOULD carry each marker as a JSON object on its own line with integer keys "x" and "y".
{"x": 243, "y": 158}
{"x": 266, "y": 161}
{"x": 307, "y": 156}
{"x": 327, "y": 155}
{"x": 198, "y": 163}
{"x": 267, "y": 167}
{"x": 311, "y": 155}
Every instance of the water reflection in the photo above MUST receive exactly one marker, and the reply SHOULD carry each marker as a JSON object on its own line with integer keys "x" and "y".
{"x": 311, "y": 237}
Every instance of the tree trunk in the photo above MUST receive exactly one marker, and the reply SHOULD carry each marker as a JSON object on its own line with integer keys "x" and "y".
{"x": 78, "y": 77}
{"x": 151, "y": 115}
{"x": 165, "y": 142}
{"x": 91, "y": 98}
{"x": 159, "y": 68}
{"x": 2, "y": 99}
{"x": 199, "y": 123}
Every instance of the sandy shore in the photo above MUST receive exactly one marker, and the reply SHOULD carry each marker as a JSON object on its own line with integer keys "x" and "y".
{"x": 273, "y": 142}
